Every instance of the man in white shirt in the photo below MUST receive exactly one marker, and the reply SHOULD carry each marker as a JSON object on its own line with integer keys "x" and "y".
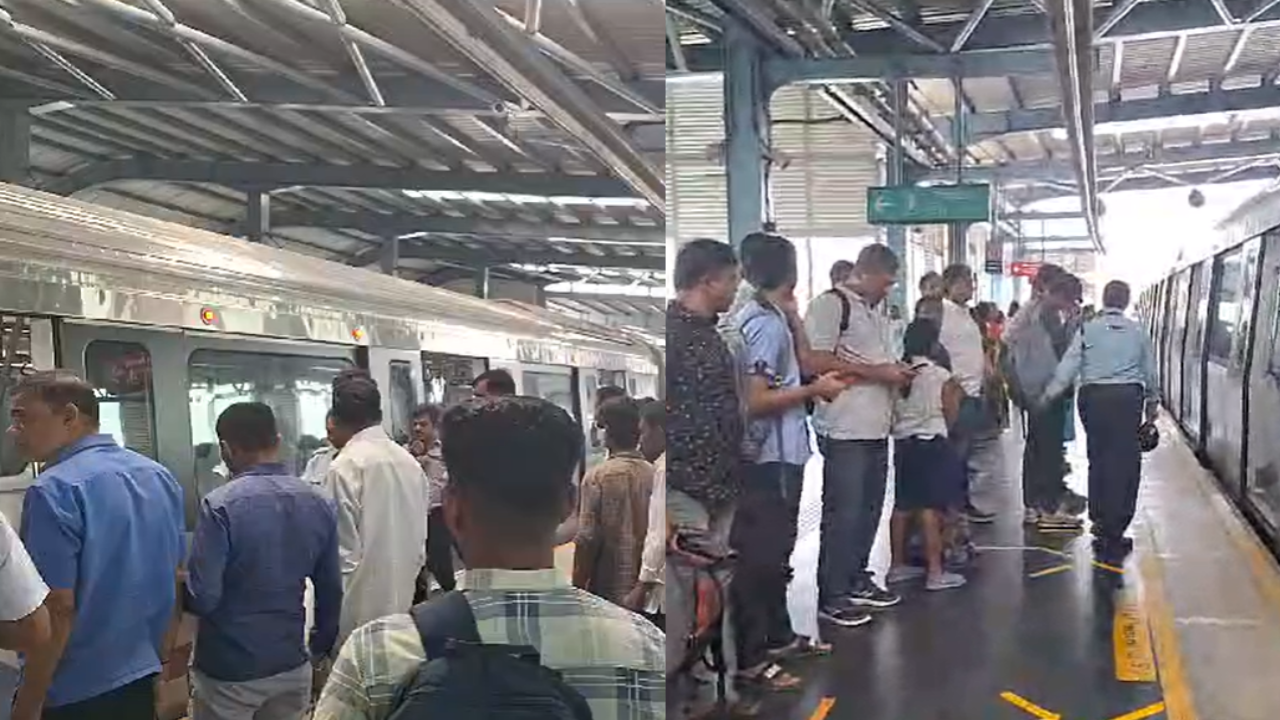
{"x": 977, "y": 442}
{"x": 382, "y": 498}
{"x": 24, "y": 621}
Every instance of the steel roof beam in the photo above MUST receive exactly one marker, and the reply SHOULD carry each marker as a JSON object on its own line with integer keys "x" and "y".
{"x": 383, "y": 224}
{"x": 423, "y": 250}
{"x": 479, "y": 32}
{"x": 1061, "y": 170}
{"x": 276, "y": 175}
{"x": 864, "y": 68}
{"x": 991, "y": 124}
{"x": 1152, "y": 182}
{"x": 1072, "y": 25}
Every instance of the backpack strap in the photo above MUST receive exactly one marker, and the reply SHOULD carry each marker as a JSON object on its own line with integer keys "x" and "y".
{"x": 845, "y": 309}
{"x": 447, "y": 618}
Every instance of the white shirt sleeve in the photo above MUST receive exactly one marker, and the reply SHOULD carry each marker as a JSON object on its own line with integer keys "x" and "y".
{"x": 653, "y": 558}
{"x": 22, "y": 590}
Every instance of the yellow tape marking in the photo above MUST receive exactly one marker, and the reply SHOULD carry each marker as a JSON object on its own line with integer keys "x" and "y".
{"x": 1164, "y": 634}
{"x": 1131, "y": 639}
{"x": 1029, "y": 707}
{"x": 824, "y": 707}
{"x": 1050, "y": 571}
{"x": 1145, "y": 712}
{"x": 1112, "y": 568}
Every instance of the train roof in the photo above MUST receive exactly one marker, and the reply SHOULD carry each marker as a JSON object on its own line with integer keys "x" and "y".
{"x": 69, "y": 258}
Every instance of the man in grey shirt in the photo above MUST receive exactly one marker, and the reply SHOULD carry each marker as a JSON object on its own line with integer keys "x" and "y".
{"x": 849, "y": 326}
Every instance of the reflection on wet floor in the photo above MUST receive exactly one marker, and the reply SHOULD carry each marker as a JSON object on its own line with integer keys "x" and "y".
{"x": 1042, "y": 630}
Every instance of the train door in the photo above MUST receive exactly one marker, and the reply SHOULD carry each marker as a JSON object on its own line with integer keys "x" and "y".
{"x": 1230, "y": 309}
{"x": 26, "y": 346}
{"x": 140, "y": 377}
{"x": 1262, "y": 425}
{"x": 399, "y": 375}
{"x": 447, "y": 378}
{"x": 1193, "y": 366}
{"x": 1177, "y": 340}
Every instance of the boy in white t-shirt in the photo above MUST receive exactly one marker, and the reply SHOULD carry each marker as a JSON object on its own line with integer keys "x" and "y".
{"x": 929, "y": 479}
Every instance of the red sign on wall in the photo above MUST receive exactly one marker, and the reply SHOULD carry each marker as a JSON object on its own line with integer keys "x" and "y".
{"x": 1024, "y": 269}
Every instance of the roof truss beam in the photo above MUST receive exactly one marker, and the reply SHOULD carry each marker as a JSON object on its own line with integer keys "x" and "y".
{"x": 478, "y": 258}
{"x": 384, "y": 224}
{"x": 1139, "y": 181}
{"x": 279, "y": 175}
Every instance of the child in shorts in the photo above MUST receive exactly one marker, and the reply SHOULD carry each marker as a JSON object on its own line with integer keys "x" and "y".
{"x": 929, "y": 479}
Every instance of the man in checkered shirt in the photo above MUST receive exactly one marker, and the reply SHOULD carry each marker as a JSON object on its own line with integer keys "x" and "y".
{"x": 511, "y": 463}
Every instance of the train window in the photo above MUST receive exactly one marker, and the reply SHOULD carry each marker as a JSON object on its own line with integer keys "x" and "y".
{"x": 298, "y": 389}
{"x": 1226, "y": 308}
{"x": 120, "y": 373}
{"x": 448, "y": 377}
{"x": 403, "y": 399}
{"x": 554, "y": 387}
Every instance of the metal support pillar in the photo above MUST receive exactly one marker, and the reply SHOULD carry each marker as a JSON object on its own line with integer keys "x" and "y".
{"x": 482, "y": 283}
{"x": 957, "y": 232}
{"x": 15, "y": 145}
{"x": 896, "y": 235}
{"x": 390, "y": 258}
{"x": 257, "y": 215}
{"x": 747, "y": 132}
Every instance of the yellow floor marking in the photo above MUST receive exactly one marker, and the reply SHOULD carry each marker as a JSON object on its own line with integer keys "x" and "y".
{"x": 1105, "y": 566}
{"x": 1131, "y": 639}
{"x": 1029, "y": 707}
{"x": 1145, "y": 712}
{"x": 824, "y": 707}
{"x": 1050, "y": 571}
{"x": 1164, "y": 634}
{"x": 1019, "y": 548}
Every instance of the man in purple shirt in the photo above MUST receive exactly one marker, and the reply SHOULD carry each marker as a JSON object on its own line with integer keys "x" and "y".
{"x": 258, "y": 539}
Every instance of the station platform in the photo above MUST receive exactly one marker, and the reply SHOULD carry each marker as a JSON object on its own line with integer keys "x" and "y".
{"x": 1188, "y": 628}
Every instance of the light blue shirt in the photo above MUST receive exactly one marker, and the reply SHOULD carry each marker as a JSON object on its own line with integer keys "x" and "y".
{"x": 1110, "y": 349}
{"x": 769, "y": 351}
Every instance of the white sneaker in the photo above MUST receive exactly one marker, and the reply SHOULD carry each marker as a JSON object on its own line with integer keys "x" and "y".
{"x": 945, "y": 581}
{"x": 903, "y": 573}
{"x": 1031, "y": 516}
{"x": 1060, "y": 521}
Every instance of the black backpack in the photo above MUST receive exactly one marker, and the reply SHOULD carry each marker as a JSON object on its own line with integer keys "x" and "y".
{"x": 465, "y": 678}
{"x": 810, "y": 405}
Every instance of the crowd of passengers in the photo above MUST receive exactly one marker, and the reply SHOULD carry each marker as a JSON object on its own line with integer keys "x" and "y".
{"x": 750, "y": 377}
{"x": 89, "y": 599}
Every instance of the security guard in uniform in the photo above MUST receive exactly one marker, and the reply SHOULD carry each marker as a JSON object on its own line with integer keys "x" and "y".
{"x": 1114, "y": 362}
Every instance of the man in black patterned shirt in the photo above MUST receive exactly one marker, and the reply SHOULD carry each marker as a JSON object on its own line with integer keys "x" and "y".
{"x": 705, "y": 419}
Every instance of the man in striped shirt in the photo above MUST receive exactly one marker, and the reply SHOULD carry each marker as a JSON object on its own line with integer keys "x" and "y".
{"x": 511, "y": 462}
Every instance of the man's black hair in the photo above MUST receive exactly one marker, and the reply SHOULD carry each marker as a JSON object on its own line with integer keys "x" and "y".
{"x": 1116, "y": 295}
{"x": 248, "y": 426}
{"x": 1066, "y": 285}
{"x": 60, "y": 388}
{"x": 653, "y": 413}
{"x": 699, "y": 259}
{"x": 620, "y": 419}
{"x": 770, "y": 262}
{"x": 840, "y": 272}
{"x": 516, "y": 457}
{"x": 877, "y": 257}
{"x": 605, "y": 393}
{"x": 430, "y": 411}
{"x": 953, "y": 274}
{"x": 928, "y": 278}
{"x": 497, "y": 381}
{"x": 1047, "y": 275}
{"x": 357, "y": 402}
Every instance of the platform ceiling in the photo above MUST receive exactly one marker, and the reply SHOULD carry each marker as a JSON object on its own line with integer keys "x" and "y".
{"x": 522, "y": 136}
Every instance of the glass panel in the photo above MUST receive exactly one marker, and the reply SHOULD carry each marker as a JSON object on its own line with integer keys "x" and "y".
{"x": 298, "y": 389}
{"x": 15, "y": 362}
{"x": 402, "y": 400}
{"x": 448, "y": 377}
{"x": 1226, "y": 305}
{"x": 554, "y": 387}
{"x": 120, "y": 374}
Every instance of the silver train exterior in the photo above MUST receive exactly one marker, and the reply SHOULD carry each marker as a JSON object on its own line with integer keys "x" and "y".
{"x": 172, "y": 324}
{"x": 1216, "y": 326}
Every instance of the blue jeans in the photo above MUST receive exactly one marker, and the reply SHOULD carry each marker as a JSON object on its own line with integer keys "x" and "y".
{"x": 854, "y": 473}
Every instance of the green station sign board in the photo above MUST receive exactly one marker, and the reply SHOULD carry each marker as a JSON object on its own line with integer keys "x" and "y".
{"x": 912, "y": 205}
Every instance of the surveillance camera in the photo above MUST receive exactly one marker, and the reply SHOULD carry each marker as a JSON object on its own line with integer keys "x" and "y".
{"x": 1196, "y": 198}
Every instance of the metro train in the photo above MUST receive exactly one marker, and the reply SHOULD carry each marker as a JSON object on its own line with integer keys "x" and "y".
{"x": 1216, "y": 328}
{"x": 172, "y": 324}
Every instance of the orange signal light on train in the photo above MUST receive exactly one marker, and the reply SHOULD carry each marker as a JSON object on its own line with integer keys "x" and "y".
{"x": 357, "y": 334}
{"x": 208, "y": 316}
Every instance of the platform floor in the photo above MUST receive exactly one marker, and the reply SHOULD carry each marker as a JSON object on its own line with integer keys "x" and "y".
{"x": 1188, "y": 628}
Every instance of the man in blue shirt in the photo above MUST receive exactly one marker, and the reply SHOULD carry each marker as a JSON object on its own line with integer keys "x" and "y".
{"x": 258, "y": 539}
{"x": 104, "y": 526}
{"x": 1115, "y": 364}
{"x": 775, "y": 450}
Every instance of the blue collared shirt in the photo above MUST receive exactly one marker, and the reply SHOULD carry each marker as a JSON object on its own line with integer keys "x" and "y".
{"x": 258, "y": 539}
{"x": 769, "y": 352}
{"x": 108, "y": 524}
{"x": 1110, "y": 349}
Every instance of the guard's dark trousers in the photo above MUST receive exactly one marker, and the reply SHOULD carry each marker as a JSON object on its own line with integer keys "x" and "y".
{"x": 1112, "y": 415}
